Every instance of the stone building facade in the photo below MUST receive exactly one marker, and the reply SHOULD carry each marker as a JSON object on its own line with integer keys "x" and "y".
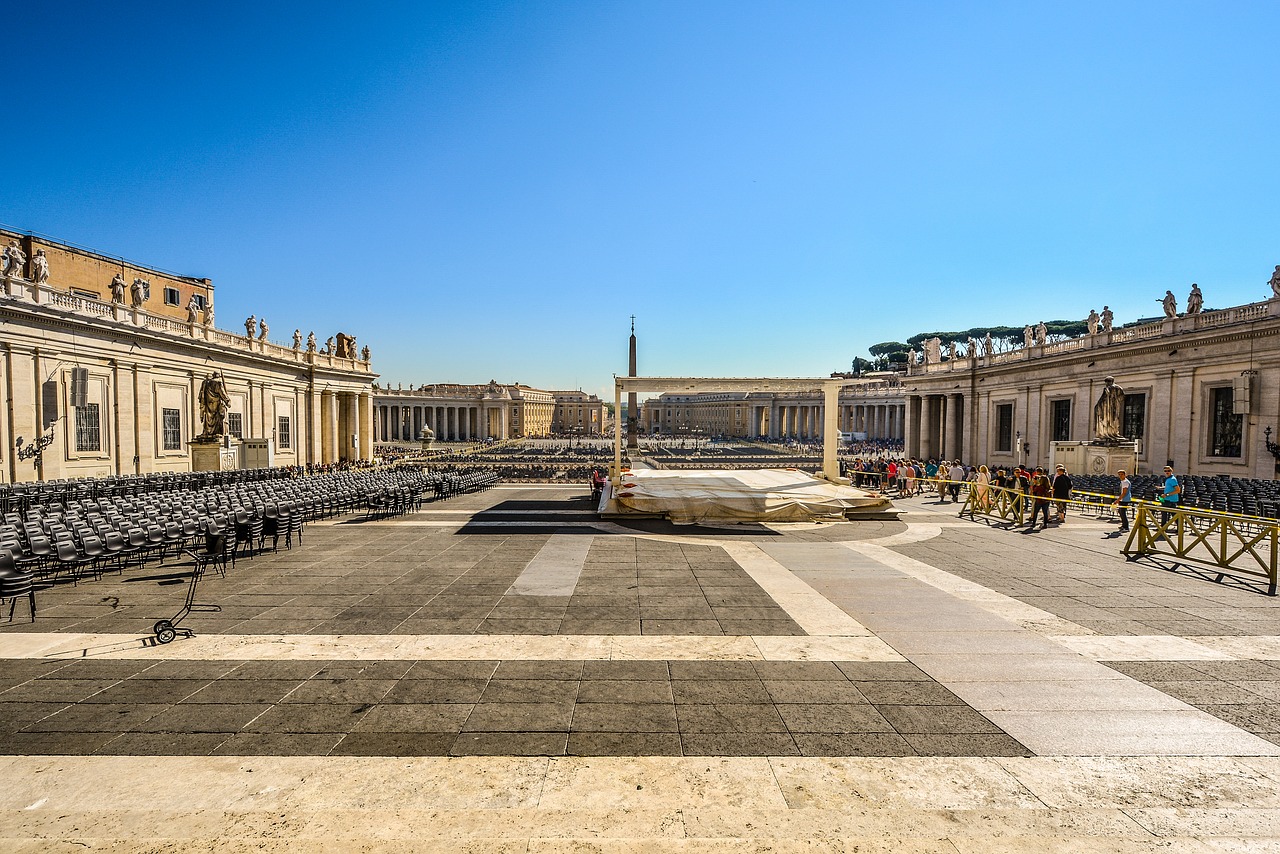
{"x": 1200, "y": 391}
{"x": 142, "y": 371}
{"x": 463, "y": 413}
{"x": 577, "y": 413}
{"x": 874, "y": 407}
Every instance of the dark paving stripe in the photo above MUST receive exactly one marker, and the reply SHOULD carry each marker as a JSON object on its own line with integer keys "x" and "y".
{"x": 510, "y": 708}
{"x": 1245, "y": 694}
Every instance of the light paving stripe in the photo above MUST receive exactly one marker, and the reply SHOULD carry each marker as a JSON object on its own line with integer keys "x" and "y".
{"x": 812, "y": 611}
{"x": 916, "y": 805}
{"x": 554, "y": 570}
{"x": 59, "y": 645}
{"x": 1143, "y": 648}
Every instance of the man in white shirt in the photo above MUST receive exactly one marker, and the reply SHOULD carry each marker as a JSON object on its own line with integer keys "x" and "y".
{"x": 1125, "y": 499}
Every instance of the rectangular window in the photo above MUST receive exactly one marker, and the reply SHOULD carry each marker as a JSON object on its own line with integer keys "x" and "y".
{"x": 172, "y": 297}
{"x": 1226, "y": 426}
{"x": 284, "y": 438}
{"x": 199, "y": 300}
{"x": 1060, "y": 418}
{"x": 88, "y": 429}
{"x": 1134, "y": 423}
{"x": 171, "y": 429}
{"x": 1004, "y": 427}
{"x": 235, "y": 424}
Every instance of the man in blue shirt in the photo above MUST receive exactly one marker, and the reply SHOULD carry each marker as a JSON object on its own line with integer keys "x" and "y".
{"x": 1169, "y": 498}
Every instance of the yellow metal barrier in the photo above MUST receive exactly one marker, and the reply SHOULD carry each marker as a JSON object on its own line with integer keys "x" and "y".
{"x": 1206, "y": 537}
{"x": 1008, "y": 505}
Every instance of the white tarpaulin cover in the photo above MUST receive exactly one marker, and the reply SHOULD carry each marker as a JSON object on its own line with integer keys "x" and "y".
{"x": 747, "y": 495}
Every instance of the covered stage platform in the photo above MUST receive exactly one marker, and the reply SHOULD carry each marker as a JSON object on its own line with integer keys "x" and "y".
{"x": 738, "y": 495}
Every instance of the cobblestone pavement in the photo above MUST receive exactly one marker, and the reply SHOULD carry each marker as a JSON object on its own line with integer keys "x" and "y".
{"x": 504, "y": 671}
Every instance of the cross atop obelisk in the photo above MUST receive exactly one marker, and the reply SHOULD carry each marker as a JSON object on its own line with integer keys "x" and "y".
{"x": 633, "y": 422}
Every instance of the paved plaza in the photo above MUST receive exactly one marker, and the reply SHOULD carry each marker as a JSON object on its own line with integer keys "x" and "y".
{"x": 505, "y": 672}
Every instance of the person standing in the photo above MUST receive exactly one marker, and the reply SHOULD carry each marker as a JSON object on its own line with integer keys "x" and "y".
{"x": 955, "y": 476}
{"x": 1061, "y": 492}
{"x": 1169, "y": 498}
{"x": 1040, "y": 492}
{"x": 1125, "y": 499}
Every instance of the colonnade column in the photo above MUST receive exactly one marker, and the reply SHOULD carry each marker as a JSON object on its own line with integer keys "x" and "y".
{"x": 915, "y": 410}
{"x": 365, "y": 405}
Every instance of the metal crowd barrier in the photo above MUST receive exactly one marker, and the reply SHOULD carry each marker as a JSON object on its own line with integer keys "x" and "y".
{"x": 1235, "y": 545}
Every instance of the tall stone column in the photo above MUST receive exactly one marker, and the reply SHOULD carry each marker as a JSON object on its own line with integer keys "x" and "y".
{"x": 351, "y": 440}
{"x": 952, "y": 425}
{"x": 926, "y": 426}
{"x": 365, "y": 401}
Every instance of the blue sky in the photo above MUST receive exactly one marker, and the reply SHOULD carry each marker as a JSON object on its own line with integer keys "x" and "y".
{"x": 489, "y": 190}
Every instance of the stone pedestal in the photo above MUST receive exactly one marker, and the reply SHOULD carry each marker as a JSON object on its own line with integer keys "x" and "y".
{"x": 1089, "y": 458}
{"x": 214, "y": 456}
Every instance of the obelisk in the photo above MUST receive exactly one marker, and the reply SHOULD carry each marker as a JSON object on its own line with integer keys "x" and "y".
{"x": 633, "y": 432}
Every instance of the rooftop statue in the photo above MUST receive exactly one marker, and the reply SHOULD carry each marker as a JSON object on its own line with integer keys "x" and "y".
{"x": 14, "y": 260}
{"x": 1092, "y": 322}
{"x": 140, "y": 292}
{"x": 1042, "y": 333}
{"x": 1108, "y": 413}
{"x": 250, "y": 326}
{"x": 297, "y": 339}
{"x": 1028, "y": 337}
{"x": 1108, "y": 317}
{"x": 1275, "y": 282}
{"x": 1170, "y": 303}
{"x": 987, "y": 346}
{"x": 1195, "y": 302}
{"x": 117, "y": 288}
{"x": 262, "y": 325}
{"x": 311, "y": 342}
{"x": 208, "y": 315}
{"x": 40, "y": 268}
{"x": 193, "y": 310}
{"x": 364, "y": 354}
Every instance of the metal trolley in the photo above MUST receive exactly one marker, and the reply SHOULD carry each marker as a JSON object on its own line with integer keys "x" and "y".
{"x": 167, "y": 630}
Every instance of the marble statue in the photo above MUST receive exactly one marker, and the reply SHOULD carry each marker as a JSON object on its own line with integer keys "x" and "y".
{"x": 911, "y": 356}
{"x": 1028, "y": 337}
{"x": 264, "y": 329}
{"x": 364, "y": 354}
{"x": 351, "y": 346}
{"x": 1195, "y": 301}
{"x": 14, "y": 260}
{"x": 973, "y": 347}
{"x": 208, "y": 315}
{"x": 1275, "y": 283}
{"x": 1108, "y": 317}
{"x": 1170, "y": 303}
{"x": 213, "y": 408}
{"x": 193, "y": 310}
{"x": 1092, "y": 322}
{"x": 40, "y": 268}
{"x": 250, "y": 326}
{"x": 117, "y": 288}
{"x": 1042, "y": 333}
{"x": 951, "y": 350}
{"x": 297, "y": 339}
{"x": 328, "y": 346}
{"x": 311, "y": 342}
{"x": 933, "y": 351}
{"x": 1108, "y": 413}
{"x": 139, "y": 291}
{"x": 987, "y": 347}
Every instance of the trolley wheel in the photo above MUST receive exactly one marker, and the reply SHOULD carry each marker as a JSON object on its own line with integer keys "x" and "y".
{"x": 161, "y": 625}
{"x": 167, "y": 634}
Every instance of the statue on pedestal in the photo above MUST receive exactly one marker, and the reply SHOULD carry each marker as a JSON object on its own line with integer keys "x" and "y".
{"x": 139, "y": 292}
{"x": 912, "y": 356}
{"x": 40, "y": 268}
{"x": 328, "y": 346}
{"x": 1170, "y": 303}
{"x": 213, "y": 408}
{"x": 117, "y": 288}
{"x": 987, "y": 346}
{"x": 208, "y": 315}
{"x": 297, "y": 339}
{"x": 1275, "y": 283}
{"x": 311, "y": 342}
{"x": 1108, "y": 317}
{"x": 262, "y": 325}
{"x": 1092, "y": 322}
{"x": 364, "y": 354}
{"x": 1195, "y": 302}
{"x": 973, "y": 347}
{"x": 1028, "y": 337}
{"x": 951, "y": 350}
{"x": 1108, "y": 414}
{"x": 1042, "y": 333}
{"x": 193, "y": 310}
{"x": 250, "y": 326}
{"x": 14, "y": 260}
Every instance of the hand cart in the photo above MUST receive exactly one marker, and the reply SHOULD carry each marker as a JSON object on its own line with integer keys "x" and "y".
{"x": 167, "y": 630}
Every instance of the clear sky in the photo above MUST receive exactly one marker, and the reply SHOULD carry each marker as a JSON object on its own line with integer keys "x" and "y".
{"x": 489, "y": 190}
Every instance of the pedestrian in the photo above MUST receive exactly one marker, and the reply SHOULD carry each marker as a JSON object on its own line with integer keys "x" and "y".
{"x": 1125, "y": 499}
{"x": 955, "y": 476}
{"x": 1061, "y": 492}
{"x": 1041, "y": 489}
{"x": 1170, "y": 496}
{"x": 983, "y": 487}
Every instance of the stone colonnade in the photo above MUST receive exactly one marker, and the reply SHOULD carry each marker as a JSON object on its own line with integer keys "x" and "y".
{"x": 935, "y": 426}
{"x": 450, "y": 423}
{"x": 805, "y": 420}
